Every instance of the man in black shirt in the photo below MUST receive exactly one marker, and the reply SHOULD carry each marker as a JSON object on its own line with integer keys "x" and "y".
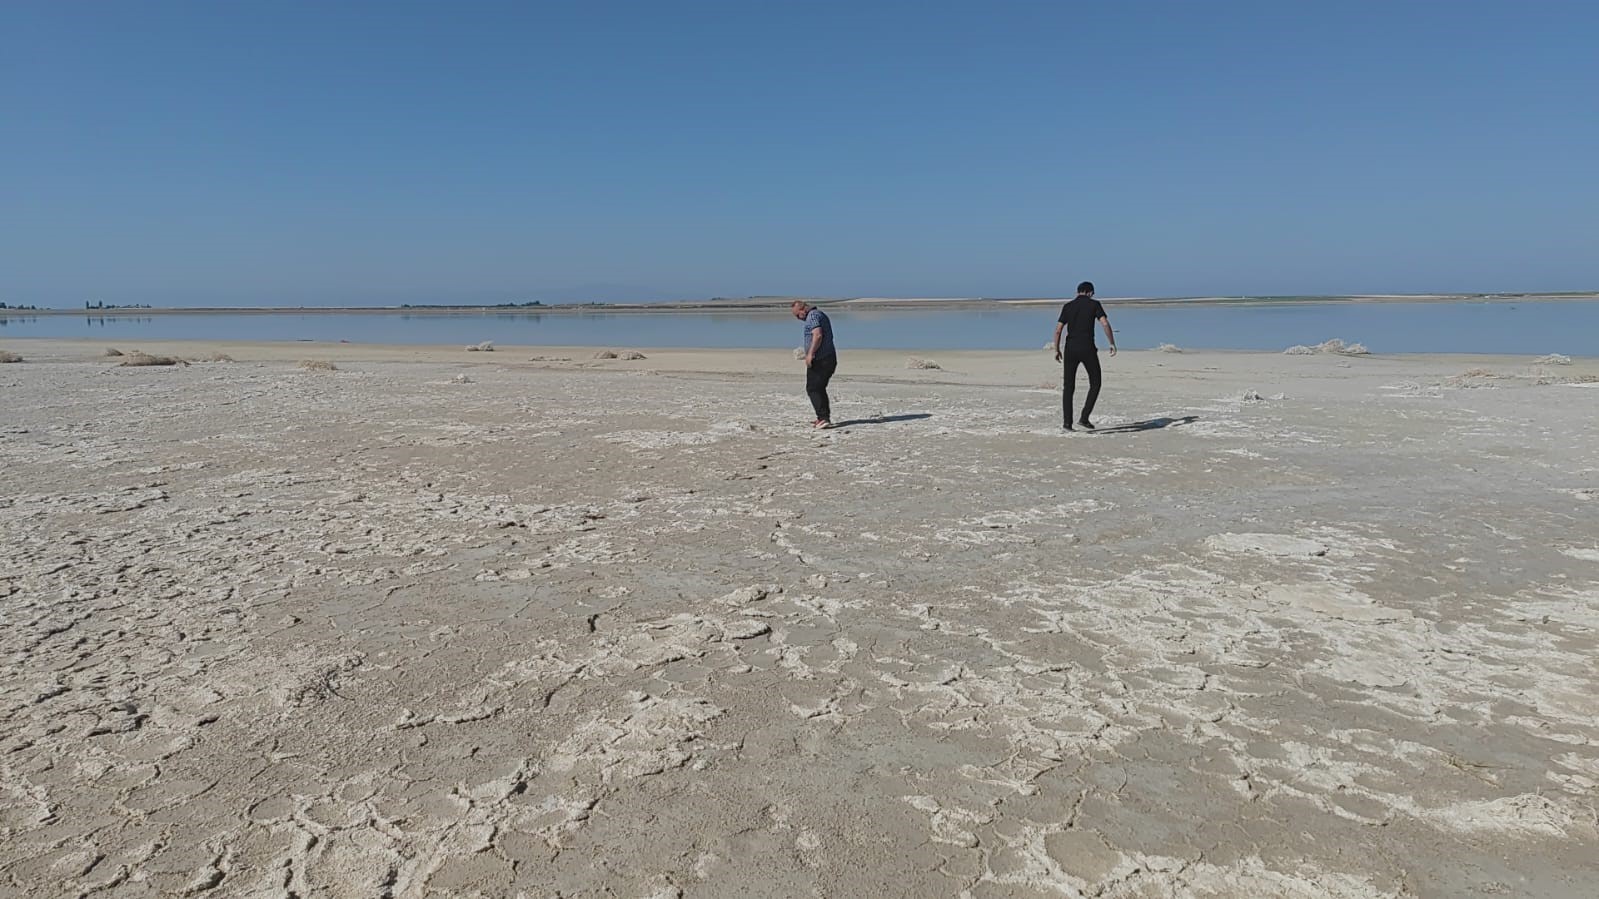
{"x": 1077, "y": 319}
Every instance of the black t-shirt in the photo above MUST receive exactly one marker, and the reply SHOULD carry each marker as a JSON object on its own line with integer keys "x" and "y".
{"x": 1079, "y": 316}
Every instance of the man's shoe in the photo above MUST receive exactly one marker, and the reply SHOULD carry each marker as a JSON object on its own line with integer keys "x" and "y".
{"x": 1086, "y": 423}
{"x": 1067, "y": 426}
{"x": 824, "y": 425}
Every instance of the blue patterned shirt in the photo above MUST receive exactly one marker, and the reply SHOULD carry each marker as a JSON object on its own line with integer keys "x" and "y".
{"x": 816, "y": 318}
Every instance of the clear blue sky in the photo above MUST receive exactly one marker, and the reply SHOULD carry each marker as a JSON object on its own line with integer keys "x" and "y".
{"x": 358, "y": 153}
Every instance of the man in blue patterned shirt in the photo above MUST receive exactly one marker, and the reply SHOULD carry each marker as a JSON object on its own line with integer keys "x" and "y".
{"x": 821, "y": 359}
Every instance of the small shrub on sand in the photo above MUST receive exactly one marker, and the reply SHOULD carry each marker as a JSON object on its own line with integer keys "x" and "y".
{"x": 1472, "y": 377}
{"x": 6, "y": 356}
{"x": 137, "y": 359}
{"x": 927, "y": 364}
{"x": 1168, "y": 348}
{"x": 111, "y": 351}
{"x": 486, "y": 346}
{"x": 317, "y": 365}
{"x": 1552, "y": 359}
{"x": 1334, "y": 347}
{"x": 631, "y": 356}
{"x": 605, "y": 354}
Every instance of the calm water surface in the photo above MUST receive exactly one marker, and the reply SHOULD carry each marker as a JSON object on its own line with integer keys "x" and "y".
{"x": 1566, "y": 326}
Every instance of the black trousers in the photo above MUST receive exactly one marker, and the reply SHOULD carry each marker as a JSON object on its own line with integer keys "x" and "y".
{"x": 1089, "y": 359}
{"x": 817, "y": 375}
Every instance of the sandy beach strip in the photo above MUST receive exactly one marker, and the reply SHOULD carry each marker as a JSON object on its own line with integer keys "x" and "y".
{"x": 424, "y": 622}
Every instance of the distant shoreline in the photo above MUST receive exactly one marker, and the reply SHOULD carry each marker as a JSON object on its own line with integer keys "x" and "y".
{"x": 761, "y": 304}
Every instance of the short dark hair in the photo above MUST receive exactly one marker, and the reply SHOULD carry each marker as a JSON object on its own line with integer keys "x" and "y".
{"x": 1085, "y": 287}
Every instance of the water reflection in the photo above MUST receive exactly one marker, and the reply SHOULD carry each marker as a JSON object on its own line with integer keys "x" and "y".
{"x": 103, "y": 321}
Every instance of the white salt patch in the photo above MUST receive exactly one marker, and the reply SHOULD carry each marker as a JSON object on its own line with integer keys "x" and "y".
{"x": 1526, "y": 813}
{"x": 1334, "y": 601}
{"x": 1266, "y": 544}
{"x": 1367, "y": 670}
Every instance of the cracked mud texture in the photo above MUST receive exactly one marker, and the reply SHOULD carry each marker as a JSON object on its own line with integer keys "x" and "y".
{"x": 582, "y": 628}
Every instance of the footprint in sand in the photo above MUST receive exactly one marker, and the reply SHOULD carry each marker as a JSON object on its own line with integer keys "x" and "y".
{"x": 1281, "y": 545}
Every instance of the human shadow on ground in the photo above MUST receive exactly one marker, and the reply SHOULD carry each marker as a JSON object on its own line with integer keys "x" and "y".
{"x": 883, "y": 419}
{"x": 1152, "y": 424}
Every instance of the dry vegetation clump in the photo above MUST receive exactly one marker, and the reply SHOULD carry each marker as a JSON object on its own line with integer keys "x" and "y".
{"x": 137, "y": 359}
{"x": 926, "y": 364}
{"x": 8, "y": 356}
{"x": 1334, "y": 347}
{"x": 631, "y": 356}
{"x": 1544, "y": 379}
{"x": 486, "y": 346}
{"x": 1552, "y": 359}
{"x": 1472, "y": 377}
{"x": 111, "y": 351}
{"x": 317, "y": 365}
{"x": 1168, "y": 348}
{"x": 605, "y": 354}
